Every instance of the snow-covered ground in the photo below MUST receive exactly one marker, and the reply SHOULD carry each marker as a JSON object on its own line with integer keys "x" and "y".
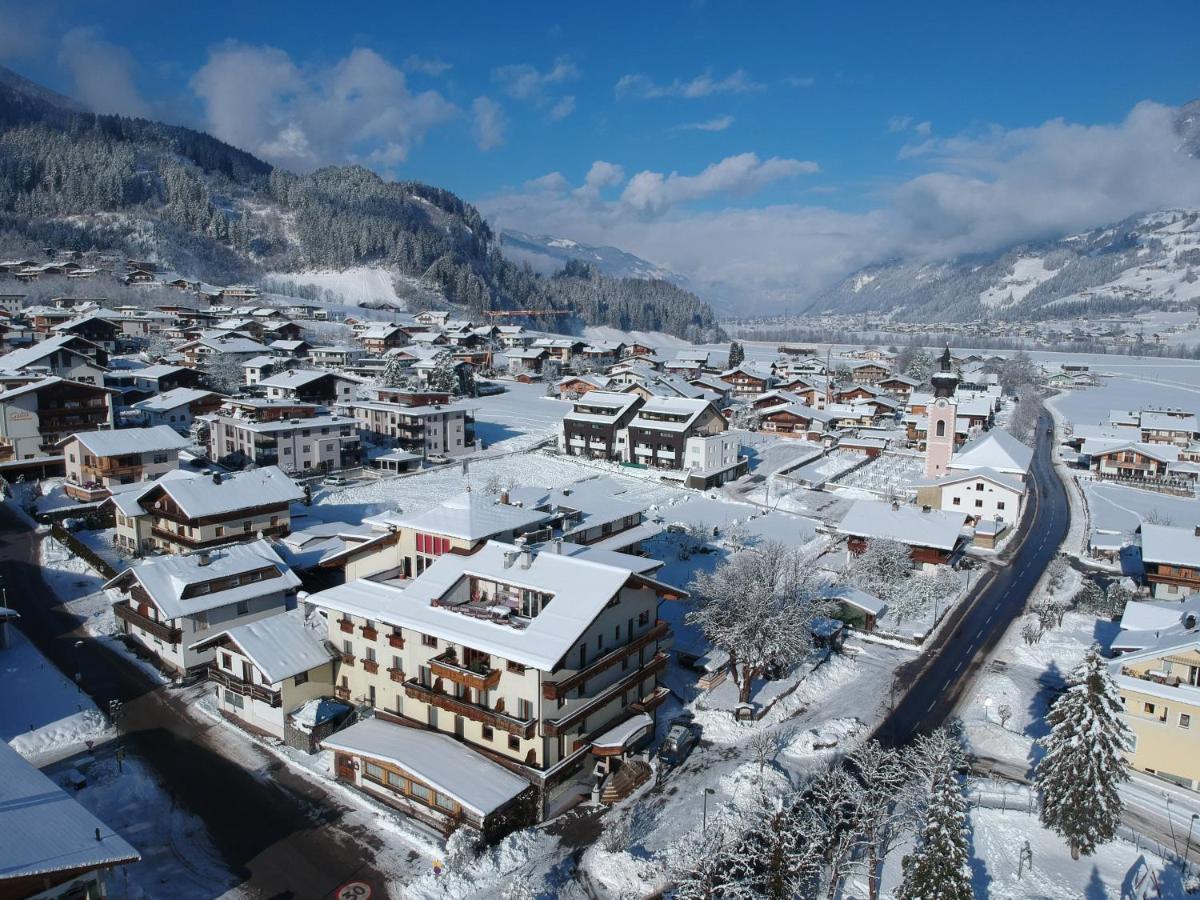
{"x": 1115, "y": 507}
{"x": 355, "y": 286}
{"x": 519, "y": 418}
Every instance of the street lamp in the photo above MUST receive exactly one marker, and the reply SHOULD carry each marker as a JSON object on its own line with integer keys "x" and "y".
{"x": 78, "y": 668}
{"x": 1188, "y": 844}
{"x": 704, "y": 820}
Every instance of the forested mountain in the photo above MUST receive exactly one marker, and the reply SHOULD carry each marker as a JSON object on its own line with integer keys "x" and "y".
{"x": 1147, "y": 261}
{"x": 72, "y": 179}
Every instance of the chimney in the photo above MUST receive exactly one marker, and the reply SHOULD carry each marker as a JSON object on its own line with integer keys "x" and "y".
{"x": 510, "y": 556}
{"x": 1197, "y": 531}
{"x": 895, "y": 506}
{"x": 526, "y": 558}
{"x": 504, "y": 496}
{"x": 558, "y": 545}
{"x": 203, "y": 558}
{"x": 216, "y": 477}
{"x": 926, "y": 508}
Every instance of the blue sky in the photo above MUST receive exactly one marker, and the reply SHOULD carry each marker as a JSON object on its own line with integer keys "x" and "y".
{"x": 819, "y": 117}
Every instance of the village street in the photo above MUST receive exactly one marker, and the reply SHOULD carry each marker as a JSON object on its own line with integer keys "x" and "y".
{"x": 283, "y": 835}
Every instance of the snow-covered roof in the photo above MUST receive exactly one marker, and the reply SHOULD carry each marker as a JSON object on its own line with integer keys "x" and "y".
{"x": 222, "y": 343}
{"x": 1161, "y": 421}
{"x": 24, "y": 357}
{"x": 859, "y": 599}
{"x": 580, "y": 589}
{"x": 167, "y": 578}
{"x": 997, "y": 478}
{"x": 157, "y": 372}
{"x": 684, "y": 411}
{"x": 1170, "y": 545}
{"x": 467, "y": 516}
{"x": 596, "y": 553}
{"x": 447, "y": 766}
{"x": 45, "y": 830}
{"x": 997, "y": 450}
{"x": 172, "y": 399}
{"x": 626, "y": 732}
{"x": 199, "y": 495}
{"x": 130, "y": 440}
{"x": 905, "y": 523}
{"x": 295, "y": 378}
{"x": 280, "y": 646}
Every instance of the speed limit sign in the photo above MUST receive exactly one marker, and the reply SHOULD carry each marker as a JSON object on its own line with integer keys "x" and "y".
{"x": 354, "y": 890}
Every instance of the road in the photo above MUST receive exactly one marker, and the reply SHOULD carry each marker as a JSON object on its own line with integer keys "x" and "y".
{"x": 282, "y": 836}
{"x": 939, "y": 676}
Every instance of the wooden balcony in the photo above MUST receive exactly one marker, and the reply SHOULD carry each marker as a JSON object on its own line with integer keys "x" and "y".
{"x": 163, "y": 632}
{"x": 552, "y": 690}
{"x": 417, "y": 691}
{"x": 230, "y": 536}
{"x": 342, "y": 693}
{"x": 555, "y": 727}
{"x": 397, "y": 675}
{"x": 346, "y": 626}
{"x": 369, "y": 633}
{"x": 448, "y": 667}
{"x": 395, "y": 640}
{"x": 370, "y": 665}
{"x": 347, "y": 659}
{"x": 253, "y": 691}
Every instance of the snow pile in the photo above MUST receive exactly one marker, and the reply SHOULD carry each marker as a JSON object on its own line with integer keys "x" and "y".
{"x": 749, "y": 784}
{"x": 828, "y": 739}
{"x": 489, "y": 873}
{"x": 621, "y": 874}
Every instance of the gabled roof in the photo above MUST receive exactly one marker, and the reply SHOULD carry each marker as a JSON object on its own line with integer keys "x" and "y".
{"x": 45, "y": 830}
{"x": 467, "y": 516}
{"x": 50, "y": 381}
{"x": 297, "y": 378}
{"x": 167, "y": 578}
{"x": 905, "y": 523}
{"x": 1170, "y": 545}
{"x": 280, "y": 646}
{"x": 997, "y": 450}
{"x": 200, "y": 495}
{"x": 173, "y": 399}
{"x": 129, "y": 440}
{"x": 33, "y": 355}
{"x": 997, "y": 478}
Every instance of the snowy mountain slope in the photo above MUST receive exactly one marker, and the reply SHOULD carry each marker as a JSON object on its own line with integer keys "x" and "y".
{"x": 1143, "y": 262}
{"x": 548, "y": 254}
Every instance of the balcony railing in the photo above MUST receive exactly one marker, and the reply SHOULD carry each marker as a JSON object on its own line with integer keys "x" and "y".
{"x": 417, "y": 691}
{"x": 553, "y": 690}
{"x": 253, "y": 691}
{"x": 555, "y": 727}
{"x": 396, "y": 675}
{"x": 229, "y": 537}
{"x": 396, "y": 640}
{"x": 370, "y": 665}
{"x": 479, "y": 677}
{"x": 163, "y": 632}
{"x": 346, "y": 626}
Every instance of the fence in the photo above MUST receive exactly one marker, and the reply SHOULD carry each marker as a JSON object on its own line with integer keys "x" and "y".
{"x": 79, "y": 548}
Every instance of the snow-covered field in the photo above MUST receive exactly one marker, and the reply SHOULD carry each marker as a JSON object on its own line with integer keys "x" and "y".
{"x": 1115, "y": 507}
{"x": 356, "y": 286}
{"x": 519, "y": 418}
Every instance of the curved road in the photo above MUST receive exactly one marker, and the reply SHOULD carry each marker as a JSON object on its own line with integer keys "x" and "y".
{"x": 281, "y": 838}
{"x": 939, "y": 676}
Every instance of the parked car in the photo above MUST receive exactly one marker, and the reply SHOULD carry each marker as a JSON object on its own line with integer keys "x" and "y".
{"x": 681, "y": 738}
{"x": 336, "y": 481}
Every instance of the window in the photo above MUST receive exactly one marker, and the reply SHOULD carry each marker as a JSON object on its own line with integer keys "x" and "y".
{"x": 979, "y": 485}
{"x": 957, "y": 501}
{"x": 398, "y": 782}
{"x": 1185, "y": 720}
{"x": 979, "y": 504}
{"x": 644, "y": 618}
{"x": 514, "y": 742}
{"x": 515, "y": 667}
{"x": 220, "y": 531}
{"x": 1149, "y": 709}
{"x": 446, "y": 803}
{"x": 488, "y": 733}
{"x": 421, "y": 792}
{"x": 428, "y": 640}
{"x": 347, "y": 647}
{"x": 300, "y": 678}
{"x": 235, "y": 700}
{"x": 370, "y": 654}
{"x": 246, "y": 526}
{"x": 373, "y": 771}
{"x": 999, "y": 504}
{"x": 226, "y": 661}
{"x": 941, "y": 429}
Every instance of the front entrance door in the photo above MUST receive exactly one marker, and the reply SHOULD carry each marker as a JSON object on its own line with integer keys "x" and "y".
{"x": 345, "y": 767}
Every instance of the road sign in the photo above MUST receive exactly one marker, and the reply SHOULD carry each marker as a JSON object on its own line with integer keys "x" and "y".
{"x": 354, "y": 890}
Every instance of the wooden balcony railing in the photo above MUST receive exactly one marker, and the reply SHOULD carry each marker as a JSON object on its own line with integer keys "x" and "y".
{"x": 370, "y": 665}
{"x": 346, "y": 626}
{"x": 395, "y": 640}
{"x": 347, "y": 659}
{"x": 553, "y": 690}
{"x": 254, "y": 691}
{"x": 555, "y": 727}
{"x": 163, "y": 632}
{"x": 369, "y": 633}
{"x": 448, "y": 667}
{"x": 397, "y": 675}
{"x": 417, "y": 691}
{"x": 230, "y": 536}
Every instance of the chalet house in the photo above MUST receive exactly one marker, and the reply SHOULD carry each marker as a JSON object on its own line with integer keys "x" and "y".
{"x": 561, "y": 349}
{"x": 34, "y": 417}
{"x": 934, "y": 537}
{"x": 178, "y": 408}
{"x": 747, "y": 381}
{"x": 721, "y": 389}
{"x": 979, "y": 412}
{"x": 406, "y": 544}
{"x": 512, "y": 336}
{"x": 856, "y": 392}
{"x": 603, "y": 353}
{"x": 258, "y": 368}
{"x": 264, "y": 670}
{"x": 659, "y": 432}
{"x": 53, "y": 846}
{"x": 869, "y": 372}
{"x": 795, "y": 420}
{"x": 217, "y": 343}
{"x": 185, "y": 511}
{"x": 441, "y": 429}
{"x": 538, "y": 662}
{"x": 577, "y": 385}
{"x": 526, "y": 359}
{"x": 65, "y": 356}
{"x": 160, "y": 379}
{"x": 1152, "y": 465}
{"x": 381, "y": 336}
{"x": 103, "y": 332}
{"x": 309, "y": 386}
{"x": 1168, "y": 427}
{"x": 295, "y": 348}
{"x": 856, "y": 608}
{"x": 289, "y": 332}
{"x": 1171, "y": 559}
{"x": 327, "y": 442}
{"x": 96, "y": 461}
{"x": 597, "y": 425}
{"x": 336, "y": 357}
{"x": 170, "y": 604}
{"x": 1160, "y": 698}
{"x": 432, "y": 317}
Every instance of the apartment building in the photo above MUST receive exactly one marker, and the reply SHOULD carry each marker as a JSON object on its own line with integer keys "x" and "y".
{"x": 171, "y": 604}
{"x": 34, "y": 417}
{"x": 659, "y": 432}
{"x": 309, "y": 386}
{"x": 184, "y": 511}
{"x": 527, "y": 659}
{"x": 96, "y": 461}
{"x": 294, "y": 445}
{"x": 441, "y": 429}
{"x": 597, "y": 425}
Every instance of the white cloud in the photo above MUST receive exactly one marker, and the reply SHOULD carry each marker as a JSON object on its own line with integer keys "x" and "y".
{"x": 979, "y": 193}
{"x": 430, "y": 66}
{"x": 799, "y": 81}
{"x": 522, "y": 81}
{"x": 563, "y": 108}
{"x": 359, "y": 108}
{"x": 638, "y": 86}
{"x": 490, "y": 123}
{"x": 551, "y": 183}
{"x": 600, "y": 176}
{"x": 102, "y": 73}
{"x": 923, "y": 128}
{"x": 654, "y": 193}
{"x": 899, "y": 123}
{"x": 720, "y": 123}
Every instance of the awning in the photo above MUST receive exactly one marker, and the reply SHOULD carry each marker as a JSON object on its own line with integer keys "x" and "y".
{"x": 619, "y": 738}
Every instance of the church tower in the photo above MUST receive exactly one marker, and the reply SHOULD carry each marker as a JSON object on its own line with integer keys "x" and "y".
{"x": 943, "y": 414}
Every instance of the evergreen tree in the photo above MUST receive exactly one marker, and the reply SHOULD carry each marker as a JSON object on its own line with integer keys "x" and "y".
{"x": 443, "y": 376}
{"x": 1083, "y": 763}
{"x": 394, "y": 373}
{"x": 737, "y": 354}
{"x": 920, "y": 365}
{"x": 937, "y": 868}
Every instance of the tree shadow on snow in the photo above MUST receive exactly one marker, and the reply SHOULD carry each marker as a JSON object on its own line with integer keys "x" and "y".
{"x": 1050, "y": 685}
{"x": 981, "y": 879}
{"x": 1095, "y": 889}
{"x": 494, "y": 432}
{"x": 1131, "y": 561}
{"x": 1105, "y": 632}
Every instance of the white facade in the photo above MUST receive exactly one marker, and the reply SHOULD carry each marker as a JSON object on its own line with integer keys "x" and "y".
{"x": 984, "y": 498}
{"x": 294, "y": 444}
{"x": 705, "y": 454}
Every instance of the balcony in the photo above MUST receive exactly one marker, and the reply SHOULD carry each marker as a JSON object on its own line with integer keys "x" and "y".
{"x": 346, "y": 626}
{"x": 163, "y": 632}
{"x": 397, "y": 675}
{"x": 555, "y": 727}
{"x": 253, "y": 691}
{"x": 553, "y": 690}
{"x": 370, "y": 665}
{"x": 342, "y": 693}
{"x": 395, "y": 640}
{"x": 230, "y": 537}
{"x": 369, "y": 633}
{"x": 478, "y": 676}
{"x": 417, "y": 691}
{"x": 347, "y": 659}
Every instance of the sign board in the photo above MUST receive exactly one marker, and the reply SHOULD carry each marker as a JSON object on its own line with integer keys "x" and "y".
{"x": 354, "y": 890}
